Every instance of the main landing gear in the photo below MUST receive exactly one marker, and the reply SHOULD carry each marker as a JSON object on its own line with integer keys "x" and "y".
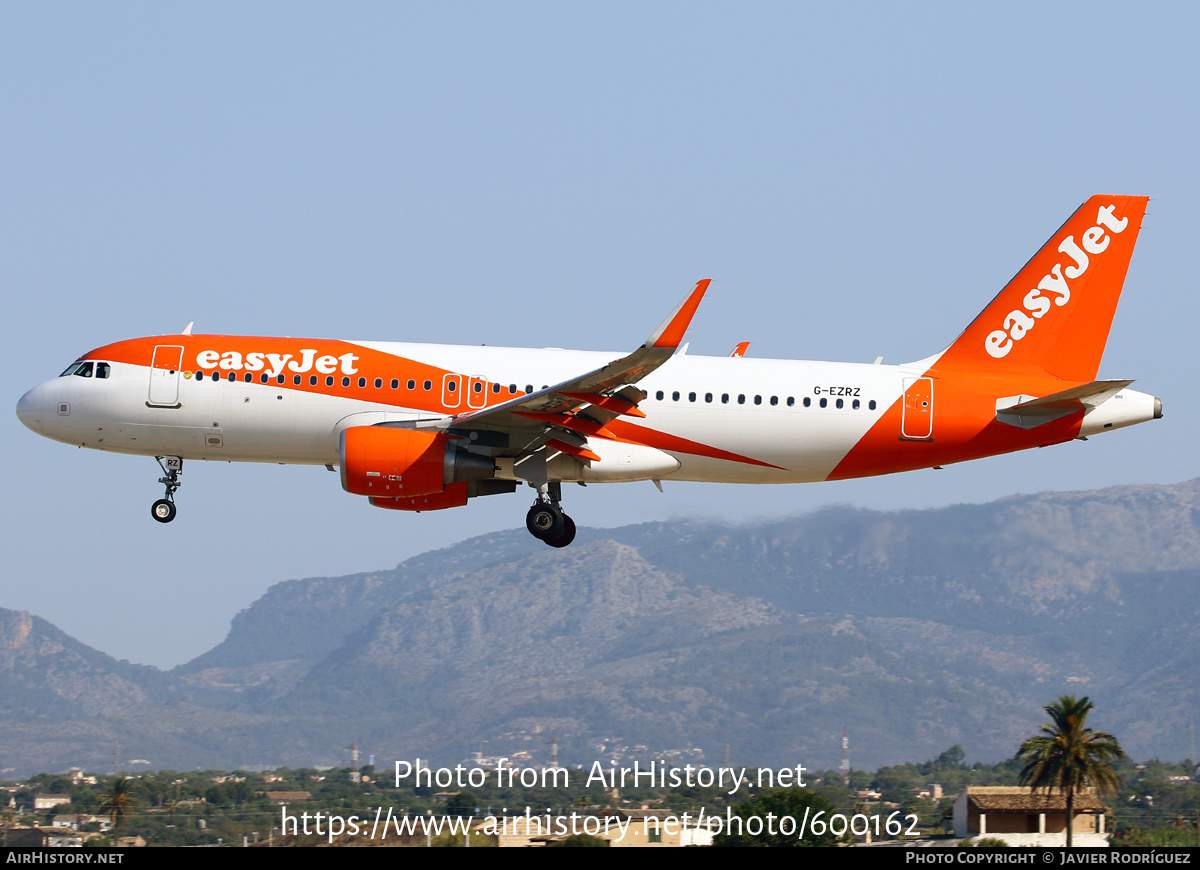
{"x": 163, "y": 510}
{"x": 546, "y": 520}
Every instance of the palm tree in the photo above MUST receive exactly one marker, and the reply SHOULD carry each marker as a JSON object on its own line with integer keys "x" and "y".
{"x": 118, "y": 803}
{"x": 1069, "y": 756}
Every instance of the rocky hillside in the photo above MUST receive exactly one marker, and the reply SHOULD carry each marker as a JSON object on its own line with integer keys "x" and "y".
{"x": 915, "y": 630}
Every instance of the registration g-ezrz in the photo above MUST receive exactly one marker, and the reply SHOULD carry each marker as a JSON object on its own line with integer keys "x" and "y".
{"x": 836, "y": 391}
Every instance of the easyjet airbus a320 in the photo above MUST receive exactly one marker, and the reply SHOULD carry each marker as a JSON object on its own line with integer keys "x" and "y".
{"x": 419, "y": 427}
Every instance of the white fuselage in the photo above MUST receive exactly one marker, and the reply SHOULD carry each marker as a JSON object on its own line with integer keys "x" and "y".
{"x": 750, "y": 407}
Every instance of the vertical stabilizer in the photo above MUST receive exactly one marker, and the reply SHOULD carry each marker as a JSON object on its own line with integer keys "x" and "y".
{"x": 1054, "y": 316}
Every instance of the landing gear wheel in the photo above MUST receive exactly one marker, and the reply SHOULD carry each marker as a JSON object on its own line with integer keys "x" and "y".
{"x": 567, "y": 536}
{"x": 163, "y": 510}
{"x": 545, "y": 521}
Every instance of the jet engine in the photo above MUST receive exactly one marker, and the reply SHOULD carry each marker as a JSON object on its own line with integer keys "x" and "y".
{"x": 389, "y": 462}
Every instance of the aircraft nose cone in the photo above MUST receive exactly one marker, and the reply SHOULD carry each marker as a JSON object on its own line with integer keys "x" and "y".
{"x": 29, "y": 409}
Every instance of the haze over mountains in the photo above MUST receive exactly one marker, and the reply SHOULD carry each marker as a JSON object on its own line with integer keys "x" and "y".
{"x": 915, "y": 630}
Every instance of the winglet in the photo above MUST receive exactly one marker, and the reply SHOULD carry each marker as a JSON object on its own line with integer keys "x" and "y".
{"x": 671, "y": 331}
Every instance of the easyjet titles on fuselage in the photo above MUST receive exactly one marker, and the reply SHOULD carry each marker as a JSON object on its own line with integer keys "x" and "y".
{"x": 233, "y": 361}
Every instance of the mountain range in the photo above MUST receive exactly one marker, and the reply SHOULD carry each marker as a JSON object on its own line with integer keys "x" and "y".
{"x": 756, "y": 644}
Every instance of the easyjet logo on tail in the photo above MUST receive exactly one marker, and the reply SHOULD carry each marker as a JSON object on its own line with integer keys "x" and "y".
{"x": 1019, "y": 322}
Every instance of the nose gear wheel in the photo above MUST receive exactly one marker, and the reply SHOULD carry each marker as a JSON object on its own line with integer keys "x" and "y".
{"x": 164, "y": 509}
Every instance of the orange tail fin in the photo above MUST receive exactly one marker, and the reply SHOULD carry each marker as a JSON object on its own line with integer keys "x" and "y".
{"x": 1054, "y": 316}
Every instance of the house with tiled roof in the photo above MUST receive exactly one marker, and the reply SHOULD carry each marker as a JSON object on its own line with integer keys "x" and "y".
{"x": 1021, "y": 816}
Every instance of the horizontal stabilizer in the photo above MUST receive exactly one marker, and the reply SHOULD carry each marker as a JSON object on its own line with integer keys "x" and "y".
{"x": 1026, "y": 412}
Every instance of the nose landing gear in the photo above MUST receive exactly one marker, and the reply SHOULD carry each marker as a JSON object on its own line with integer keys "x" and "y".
{"x": 546, "y": 520}
{"x": 163, "y": 510}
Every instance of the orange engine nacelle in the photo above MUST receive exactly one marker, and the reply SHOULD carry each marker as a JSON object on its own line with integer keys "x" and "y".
{"x": 385, "y": 462}
{"x": 454, "y": 495}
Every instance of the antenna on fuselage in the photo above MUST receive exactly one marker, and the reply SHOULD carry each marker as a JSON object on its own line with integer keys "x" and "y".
{"x": 187, "y": 330}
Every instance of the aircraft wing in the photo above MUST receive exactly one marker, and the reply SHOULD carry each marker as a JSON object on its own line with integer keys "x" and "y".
{"x": 608, "y": 390}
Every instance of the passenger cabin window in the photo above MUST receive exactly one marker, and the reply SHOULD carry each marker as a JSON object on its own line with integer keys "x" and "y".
{"x": 312, "y": 380}
{"x": 264, "y": 377}
{"x": 824, "y": 402}
{"x": 395, "y": 384}
{"x": 247, "y": 377}
{"x": 412, "y": 385}
{"x": 329, "y": 381}
{"x": 231, "y": 377}
{"x": 345, "y": 382}
{"x": 216, "y": 376}
{"x": 791, "y": 401}
{"x": 428, "y": 385}
{"x": 724, "y": 398}
{"x": 871, "y": 405}
{"x": 758, "y": 400}
{"x": 296, "y": 379}
{"x": 659, "y": 395}
{"x": 379, "y": 383}
{"x": 807, "y": 402}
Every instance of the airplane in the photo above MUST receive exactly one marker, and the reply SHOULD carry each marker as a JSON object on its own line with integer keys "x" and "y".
{"x": 423, "y": 427}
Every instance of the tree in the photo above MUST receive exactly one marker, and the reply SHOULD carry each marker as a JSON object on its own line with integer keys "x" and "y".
{"x": 1069, "y": 756}
{"x": 952, "y": 757}
{"x": 118, "y": 803}
{"x": 461, "y": 804}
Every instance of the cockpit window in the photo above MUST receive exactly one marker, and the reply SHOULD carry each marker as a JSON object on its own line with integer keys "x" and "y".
{"x": 85, "y": 369}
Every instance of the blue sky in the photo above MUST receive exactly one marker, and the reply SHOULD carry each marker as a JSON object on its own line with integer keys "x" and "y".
{"x": 857, "y": 179}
